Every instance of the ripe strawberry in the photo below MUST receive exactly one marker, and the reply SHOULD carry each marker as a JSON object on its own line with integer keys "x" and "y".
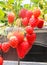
{"x": 36, "y": 13}
{"x": 0, "y": 46}
{"x": 29, "y": 29}
{"x": 29, "y": 14}
{"x": 1, "y": 60}
{"x": 23, "y": 49}
{"x": 33, "y": 22}
{"x": 5, "y": 47}
{"x": 20, "y": 36}
{"x": 11, "y": 18}
{"x": 31, "y": 38}
{"x": 40, "y": 24}
{"x": 22, "y": 13}
{"x": 25, "y": 22}
{"x": 13, "y": 42}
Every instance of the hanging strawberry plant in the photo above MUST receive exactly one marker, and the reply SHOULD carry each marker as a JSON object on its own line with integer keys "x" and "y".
{"x": 24, "y": 20}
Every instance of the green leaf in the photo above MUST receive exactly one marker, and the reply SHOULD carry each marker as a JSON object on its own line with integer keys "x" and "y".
{"x": 19, "y": 0}
{"x": 34, "y": 6}
{"x": 35, "y": 1}
{"x": 2, "y": 4}
{"x": 27, "y": 6}
{"x": 10, "y": 1}
{"x": 1, "y": 14}
{"x": 41, "y": 5}
{"x": 45, "y": 11}
{"x": 45, "y": 0}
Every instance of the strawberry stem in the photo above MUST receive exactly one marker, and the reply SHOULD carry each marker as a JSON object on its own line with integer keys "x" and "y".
{"x": 18, "y": 61}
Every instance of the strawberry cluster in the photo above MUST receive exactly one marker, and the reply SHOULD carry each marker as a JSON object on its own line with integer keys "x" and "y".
{"x": 23, "y": 42}
{"x": 30, "y": 18}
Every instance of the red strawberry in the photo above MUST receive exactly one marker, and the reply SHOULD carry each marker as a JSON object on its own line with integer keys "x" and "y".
{"x": 5, "y": 47}
{"x": 11, "y": 18}
{"x": 22, "y": 13}
{"x": 23, "y": 49}
{"x": 20, "y": 36}
{"x": 36, "y": 12}
{"x": 1, "y": 60}
{"x": 25, "y": 22}
{"x": 29, "y": 29}
{"x": 29, "y": 14}
{"x": 0, "y": 46}
{"x": 40, "y": 24}
{"x": 31, "y": 38}
{"x": 13, "y": 41}
{"x": 33, "y": 22}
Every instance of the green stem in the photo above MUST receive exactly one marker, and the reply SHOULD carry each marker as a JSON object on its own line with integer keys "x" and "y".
{"x": 30, "y": 3}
